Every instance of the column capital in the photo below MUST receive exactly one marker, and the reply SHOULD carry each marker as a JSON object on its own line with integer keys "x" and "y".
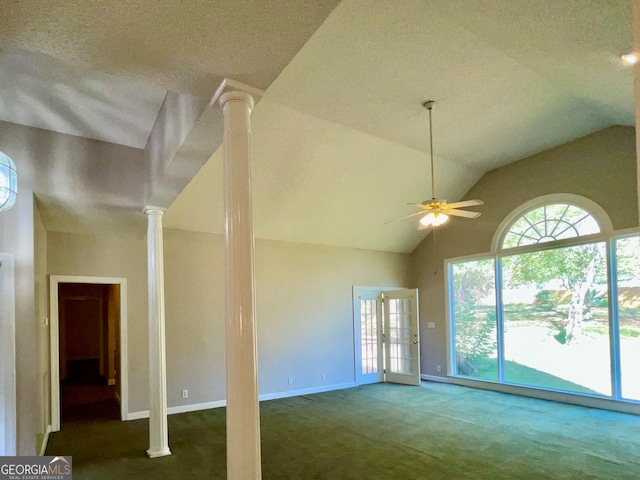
{"x": 229, "y": 85}
{"x": 236, "y": 96}
{"x": 151, "y": 210}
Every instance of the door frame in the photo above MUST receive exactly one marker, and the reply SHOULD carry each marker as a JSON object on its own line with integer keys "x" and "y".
{"x": 54, "y": 282}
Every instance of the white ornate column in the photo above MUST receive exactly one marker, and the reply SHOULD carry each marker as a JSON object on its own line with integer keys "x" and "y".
{"x": 243, "y": 410}
{"x": 158, "y": 430}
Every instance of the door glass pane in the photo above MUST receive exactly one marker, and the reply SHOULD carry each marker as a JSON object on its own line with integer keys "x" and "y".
{"x": 369, "y": 336}
{"x": 399, "y": 335}
{"x": 556, "y": 319}
{"x": 474, "y": 313}
{"x": 628, "y": 269}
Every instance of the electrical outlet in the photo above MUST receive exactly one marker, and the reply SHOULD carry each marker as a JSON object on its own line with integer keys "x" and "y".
{"x": 439, "y": 368}
{"x": 324, "y": 376}
{"x": 290, "y": 381}
{"x": 185, "y": 393}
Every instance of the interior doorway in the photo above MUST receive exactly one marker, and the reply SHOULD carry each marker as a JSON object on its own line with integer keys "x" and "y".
{"x": 88, "y": 349}
{"x": 387, "y": 337}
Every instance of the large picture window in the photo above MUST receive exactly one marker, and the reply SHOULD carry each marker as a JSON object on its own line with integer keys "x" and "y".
{"x": 474, "y": 319}
{"x": 556, "y": 306}
{"x": 628, "y": 313}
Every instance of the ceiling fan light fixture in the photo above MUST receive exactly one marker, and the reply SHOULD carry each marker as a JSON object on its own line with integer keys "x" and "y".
{"x": 434, "y": 219}
{"x": 436, "y": 211}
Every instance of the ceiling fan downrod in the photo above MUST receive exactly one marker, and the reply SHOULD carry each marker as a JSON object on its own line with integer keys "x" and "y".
{"x": 429, "y": 106}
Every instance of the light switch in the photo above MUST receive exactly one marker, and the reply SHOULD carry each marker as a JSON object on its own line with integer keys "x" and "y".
{"x": 431, "y": 325}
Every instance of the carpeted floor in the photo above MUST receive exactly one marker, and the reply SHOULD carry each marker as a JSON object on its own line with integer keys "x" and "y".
{"x": 379, "y": 431}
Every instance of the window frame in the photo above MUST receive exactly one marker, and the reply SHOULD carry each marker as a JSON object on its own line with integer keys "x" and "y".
{"x": 591, "y": 207}
{"x": 607, "y": 235}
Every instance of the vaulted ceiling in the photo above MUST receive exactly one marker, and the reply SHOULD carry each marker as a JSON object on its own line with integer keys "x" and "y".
{"x": 340, "y": 136}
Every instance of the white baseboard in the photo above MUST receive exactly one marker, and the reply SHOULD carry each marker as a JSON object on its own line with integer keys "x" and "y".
{"x": 195, "y": 407}
{"x": 45, "y": 441}
{"x": 306, "y": 391}
{"x": 435, "y": 378}
{"x": 221, "y": 403}
{"x": 137, "y": 415}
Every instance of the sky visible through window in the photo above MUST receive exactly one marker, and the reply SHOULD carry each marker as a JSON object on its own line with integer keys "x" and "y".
{"x": 549, "y": 223}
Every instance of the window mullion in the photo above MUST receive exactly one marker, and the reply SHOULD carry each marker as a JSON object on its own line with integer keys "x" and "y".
{"x": 614, "y": 318}
{"x": 499, "y": 319}
{"x": 452, "y": 367}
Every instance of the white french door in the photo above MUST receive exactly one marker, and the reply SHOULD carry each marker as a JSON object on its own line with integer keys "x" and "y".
{"x": 387, "y": 346}
{"x": 402, "y": 338}
{"x": 367, "y": 311}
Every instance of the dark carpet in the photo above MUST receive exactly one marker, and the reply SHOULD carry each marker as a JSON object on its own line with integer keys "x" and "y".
{"x": 85, "y": 395}
{"x": 380, "y": 431}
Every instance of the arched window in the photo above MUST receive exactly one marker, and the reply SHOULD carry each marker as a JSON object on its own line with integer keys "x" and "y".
{"x": 552, "y": 305}
{"x": 548, "y": 223}
{"x": 550, "y": 218}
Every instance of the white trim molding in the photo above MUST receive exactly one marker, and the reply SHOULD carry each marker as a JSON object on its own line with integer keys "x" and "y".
{"x": 263, "y": 398}
{"x": 45, "y": 441}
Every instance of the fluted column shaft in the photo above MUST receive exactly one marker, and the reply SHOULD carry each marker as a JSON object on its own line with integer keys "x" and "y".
{"x": 158, "y": 430}
{"x": 243, "y": 412}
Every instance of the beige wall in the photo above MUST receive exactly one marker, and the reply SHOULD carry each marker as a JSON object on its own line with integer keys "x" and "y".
{"x": 305, "y": 310}
{"x": 48, "y": 161}
{"x": 305, "y": 321}
{"x": 104, "y": 256}
{"x": 601, "y": 167}
{"x": 17, "y": 238}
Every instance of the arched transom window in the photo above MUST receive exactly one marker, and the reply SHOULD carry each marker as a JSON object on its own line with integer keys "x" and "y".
{"x": 549, "y": 223}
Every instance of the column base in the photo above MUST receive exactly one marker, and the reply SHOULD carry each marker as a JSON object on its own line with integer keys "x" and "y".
{"x": 158, "y": 453}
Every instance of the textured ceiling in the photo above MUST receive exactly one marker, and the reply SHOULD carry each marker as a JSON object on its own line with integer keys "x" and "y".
{"x": 39, "y": 91}
{"x": 340, "y": 136}
{"x": 317, "y": 182}
{"x": 511, "y": 78}
{"x": 186, "y": 46}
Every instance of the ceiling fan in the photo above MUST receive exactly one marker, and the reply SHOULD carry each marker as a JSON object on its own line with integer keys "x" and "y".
{"x": 437, "y": 211}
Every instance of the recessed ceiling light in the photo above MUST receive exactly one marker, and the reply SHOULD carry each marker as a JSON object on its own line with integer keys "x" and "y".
{"x": 630, "y": 58}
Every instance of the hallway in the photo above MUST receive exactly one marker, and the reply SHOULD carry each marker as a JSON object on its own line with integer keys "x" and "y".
{"x": 85, "y": 395}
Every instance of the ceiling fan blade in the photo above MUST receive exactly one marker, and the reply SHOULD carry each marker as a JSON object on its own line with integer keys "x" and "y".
{"x": 462, "y": 213}
{"x": 402, "y": 218}
{"x": 465, "y": 203}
